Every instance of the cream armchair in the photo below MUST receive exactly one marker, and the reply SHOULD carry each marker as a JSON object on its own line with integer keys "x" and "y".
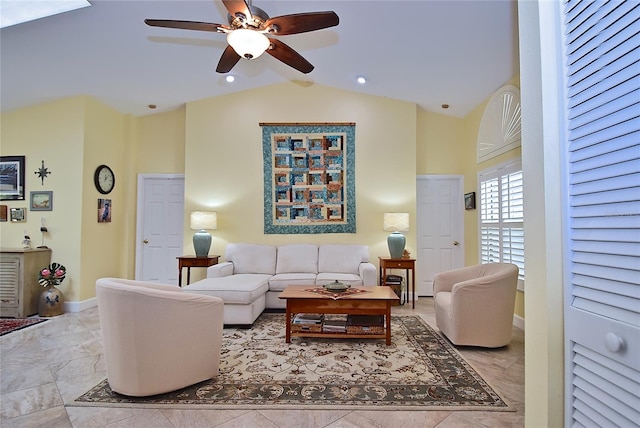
{"x": 474, "y": 305}
{"x": 157, "y": 338}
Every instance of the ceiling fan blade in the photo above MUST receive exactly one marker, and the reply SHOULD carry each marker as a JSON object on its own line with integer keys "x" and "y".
{"x": 237, "y": 6}
{"x": 290, "y": 57}
{"x": 228, "y": 59}
{"x": 185, "y": 25}
{"x": 302, "y": 22}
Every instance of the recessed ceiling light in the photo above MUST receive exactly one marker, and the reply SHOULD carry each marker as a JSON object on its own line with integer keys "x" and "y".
{"x": 14, "y": 12}
{"x": 361, "y": 80}
{"x": 229, "y": 78}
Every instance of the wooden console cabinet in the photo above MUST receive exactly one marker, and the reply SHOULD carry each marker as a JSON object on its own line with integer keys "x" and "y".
{"x": 19, "y": 288}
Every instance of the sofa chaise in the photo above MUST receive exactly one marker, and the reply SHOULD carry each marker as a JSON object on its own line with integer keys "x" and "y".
{"x": 253, "y": 275}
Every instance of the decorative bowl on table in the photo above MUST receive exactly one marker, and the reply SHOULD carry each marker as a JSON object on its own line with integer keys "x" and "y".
{"x": 336, "y": 286}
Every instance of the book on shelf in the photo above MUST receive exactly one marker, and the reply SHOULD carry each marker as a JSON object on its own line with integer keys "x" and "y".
{"x": 393, "y": 280}
{"x": 308, "y": 318}
{"x": 365, "y": 320}
{"x": 335, "y": 325}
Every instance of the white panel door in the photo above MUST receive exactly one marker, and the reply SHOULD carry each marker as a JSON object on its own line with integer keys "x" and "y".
{"x": 440, "y": 228}
{"x": 160, "y": 227}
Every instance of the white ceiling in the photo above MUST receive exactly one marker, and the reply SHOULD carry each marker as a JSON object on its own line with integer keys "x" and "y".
{"x": 428, "y": 52}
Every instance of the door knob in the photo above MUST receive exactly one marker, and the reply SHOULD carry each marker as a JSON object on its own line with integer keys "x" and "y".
{"x": 613, "y": 342}
{"x": 456, "y": 243}
{"x": 146, "y": 241}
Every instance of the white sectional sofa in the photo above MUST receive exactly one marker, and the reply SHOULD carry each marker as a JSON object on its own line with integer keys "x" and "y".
{"x": 253, "y": 275}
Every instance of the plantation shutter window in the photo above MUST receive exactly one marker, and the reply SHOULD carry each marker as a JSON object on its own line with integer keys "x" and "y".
{"x": 502, "y": 216}
{"x": 602, "y": 289}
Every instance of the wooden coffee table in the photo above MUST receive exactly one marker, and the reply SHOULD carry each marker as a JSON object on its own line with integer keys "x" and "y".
{"x": 376, "y": 300}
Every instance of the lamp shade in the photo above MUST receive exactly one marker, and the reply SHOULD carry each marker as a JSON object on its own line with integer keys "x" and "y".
{"x": 396, "y": 223}
{"x": 248, "y": 44}
{"x": 201, "y": 221}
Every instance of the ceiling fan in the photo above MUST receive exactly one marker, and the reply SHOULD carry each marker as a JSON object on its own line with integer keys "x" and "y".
{"x": 248, "y": 29}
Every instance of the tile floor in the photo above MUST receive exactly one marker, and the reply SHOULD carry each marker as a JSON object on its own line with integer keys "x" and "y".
{"x": 45, "y": 366}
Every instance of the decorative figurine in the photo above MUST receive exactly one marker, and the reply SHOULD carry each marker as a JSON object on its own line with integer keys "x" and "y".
{"x": 26, "y": 242}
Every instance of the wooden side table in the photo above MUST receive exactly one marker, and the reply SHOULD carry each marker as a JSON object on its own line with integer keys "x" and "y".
{"x": 408, "y": 265}
{"x": 194, "y": 261}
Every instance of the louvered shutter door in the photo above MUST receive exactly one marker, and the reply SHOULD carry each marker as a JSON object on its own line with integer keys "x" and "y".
{"x": 602, "y": 305}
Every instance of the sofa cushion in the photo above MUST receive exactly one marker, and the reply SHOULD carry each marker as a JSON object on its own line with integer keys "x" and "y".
{"x": 294, "y": 258}
{"x": 281, "y": 281}
{"x": 342, "y": 258}
{"x": 252, "y": 258}
{"x": 240, "y": 289}
{"x": 324, "y": 278}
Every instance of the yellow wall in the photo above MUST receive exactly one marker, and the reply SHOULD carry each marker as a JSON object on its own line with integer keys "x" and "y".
{"x": 224, "y": 164}
{"x": 448, "y": 145}
{"x": 51, "y": 132}
{"x": 472, "y": 126}
{"x": 217, "y": 144}
{"x": 101, "y": 249}
{"x": 445, "y": 148}
{"x": 160, "y": 143}
{"x": 72, "y": 136}
{"x": 440, "y": 147}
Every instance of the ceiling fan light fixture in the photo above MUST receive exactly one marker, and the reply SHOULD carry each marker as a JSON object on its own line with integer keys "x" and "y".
{"x": 249, "y": 44}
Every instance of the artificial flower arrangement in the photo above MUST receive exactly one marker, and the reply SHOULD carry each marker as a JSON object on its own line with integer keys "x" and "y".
{"x": 52, "y": 275}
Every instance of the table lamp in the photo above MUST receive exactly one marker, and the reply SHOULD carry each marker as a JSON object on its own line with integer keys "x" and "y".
{"x": 396, "y": 223}
{"x": 203, "y": 221}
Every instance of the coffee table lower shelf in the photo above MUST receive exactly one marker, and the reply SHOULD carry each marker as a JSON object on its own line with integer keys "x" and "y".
{"x": 341, "y": 335}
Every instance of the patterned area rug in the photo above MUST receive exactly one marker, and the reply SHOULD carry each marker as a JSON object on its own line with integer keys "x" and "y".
{"x": 419, "y": 371}
{"x": 7, "y": 325}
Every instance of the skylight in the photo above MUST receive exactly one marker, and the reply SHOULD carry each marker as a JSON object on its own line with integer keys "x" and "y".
{"x": 14, "y": 12}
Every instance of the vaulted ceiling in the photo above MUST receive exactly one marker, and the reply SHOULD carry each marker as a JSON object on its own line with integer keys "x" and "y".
{"x": 431, "y": 53}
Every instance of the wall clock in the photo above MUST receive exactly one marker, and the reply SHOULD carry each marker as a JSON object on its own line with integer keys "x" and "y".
{"x": 104, "y": 179}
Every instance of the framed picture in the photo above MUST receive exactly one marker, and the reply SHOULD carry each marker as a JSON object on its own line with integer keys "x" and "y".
{"x": 309, "y": 178}
{"x": 3, "y": 213}
{"x": 470, "y": 201}
{"x": 104, "y": 210}
{"x": 18, "y": 215}
{"x": 41, "y": 201}
{"x": 12, "y": 178}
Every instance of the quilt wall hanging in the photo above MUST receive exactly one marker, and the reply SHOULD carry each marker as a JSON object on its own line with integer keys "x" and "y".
{"x": 309, "y": 178}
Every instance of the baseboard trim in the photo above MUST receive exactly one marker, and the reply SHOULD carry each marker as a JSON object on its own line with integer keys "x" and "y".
{"x": 80, "y": 306}
{"x": 518, "y": 321}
